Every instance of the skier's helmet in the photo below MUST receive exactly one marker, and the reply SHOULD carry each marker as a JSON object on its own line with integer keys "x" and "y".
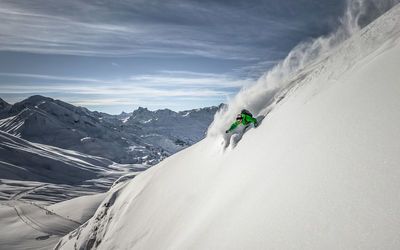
{"x": 246, "y": 112}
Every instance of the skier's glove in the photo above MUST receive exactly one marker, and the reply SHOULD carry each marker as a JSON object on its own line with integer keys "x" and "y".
{"x": 227, "y": 131}
{"x": 256, "y": 125}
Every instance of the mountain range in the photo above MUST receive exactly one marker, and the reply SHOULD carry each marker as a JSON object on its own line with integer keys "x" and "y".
{"x": 141, "y": 137}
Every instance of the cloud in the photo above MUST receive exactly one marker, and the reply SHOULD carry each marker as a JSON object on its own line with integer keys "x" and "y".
{"x": 171, "y": 81}
{"x": 50, "y": 77}
{"x": 24, "y": 30}
{"x": 143, "y": 92}
{"x": 188, "y": 73}
{"x": 165, "y": 87}
{"x": 217, "y": 29}
{"x": 103, "y": 102}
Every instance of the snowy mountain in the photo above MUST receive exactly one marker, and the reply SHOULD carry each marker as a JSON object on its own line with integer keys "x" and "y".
{"x": 320, "y": 172}
{"x": 181, "y": 128}
{"x": 122, "y": 138}
{"x": 22, "y": 160}
{"x": 4, "y": 105}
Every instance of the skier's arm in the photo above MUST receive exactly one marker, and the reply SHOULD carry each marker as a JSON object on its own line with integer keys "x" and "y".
{"x": 251, "y": 119}
{"x": 233, "y": 126}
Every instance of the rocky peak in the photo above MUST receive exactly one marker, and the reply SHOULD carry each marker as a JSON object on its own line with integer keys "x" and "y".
{"x": 3, "y": 104}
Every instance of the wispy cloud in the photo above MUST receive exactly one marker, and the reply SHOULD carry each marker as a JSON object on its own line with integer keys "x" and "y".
{"x": 172, "y": 79}
{"x": 104, "y": 101}
{"x": 24, "y": 30}
{"x": 187, "y": 86}
{"x": 107, "y": 28}
{"x": 50, "y": 77}
{"x": 188, "y": 73}
{"x": 215, "y": 82}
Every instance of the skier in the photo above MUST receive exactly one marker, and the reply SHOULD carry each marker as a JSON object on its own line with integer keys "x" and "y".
{"x": 246, "y": 118}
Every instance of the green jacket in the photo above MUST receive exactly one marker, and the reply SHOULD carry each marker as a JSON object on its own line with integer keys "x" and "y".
{"x": 245, "y": 121}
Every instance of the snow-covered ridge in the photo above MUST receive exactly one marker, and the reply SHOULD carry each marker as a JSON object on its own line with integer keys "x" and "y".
{"x": 158, "y": 133}
{"x": 3, "y": 105}
{"x": 22, "y": 160}
{"x": 320, "y": 172}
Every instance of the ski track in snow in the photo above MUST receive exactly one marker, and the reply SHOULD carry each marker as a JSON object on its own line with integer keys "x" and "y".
{"x": 33, "y": 215}
{"x": 22, "y": 193}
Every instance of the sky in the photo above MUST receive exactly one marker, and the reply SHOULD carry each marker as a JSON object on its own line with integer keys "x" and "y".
{"x": 117, "y": 55}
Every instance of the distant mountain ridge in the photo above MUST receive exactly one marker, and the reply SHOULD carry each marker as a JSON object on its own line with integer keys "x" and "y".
{"x": 143, "y": 136}
{"x": 4, "y": 105}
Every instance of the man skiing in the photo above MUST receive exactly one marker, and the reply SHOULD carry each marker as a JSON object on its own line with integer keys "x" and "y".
{"x": 245, "y": 118}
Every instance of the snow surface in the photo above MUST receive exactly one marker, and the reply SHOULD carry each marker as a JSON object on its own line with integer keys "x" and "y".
{"x": 79, "y": 209}
{"x": 320, "y": 172}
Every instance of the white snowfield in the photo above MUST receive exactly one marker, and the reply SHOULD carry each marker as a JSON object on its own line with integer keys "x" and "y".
{"x": 322, "y": 171}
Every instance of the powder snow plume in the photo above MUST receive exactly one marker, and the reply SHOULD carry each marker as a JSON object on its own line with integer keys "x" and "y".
{"x": 271, "y": 87}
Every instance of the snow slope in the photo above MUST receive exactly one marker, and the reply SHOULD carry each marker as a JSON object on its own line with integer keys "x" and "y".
{"x": 27, "y": 225}
{"x": 321, "y": 171}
